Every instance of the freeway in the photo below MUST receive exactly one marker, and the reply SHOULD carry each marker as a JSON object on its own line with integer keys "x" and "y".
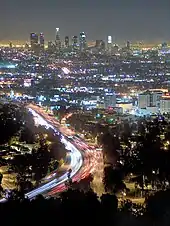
{"x": 75, "y": 155}
{"x": 83, "y": 159}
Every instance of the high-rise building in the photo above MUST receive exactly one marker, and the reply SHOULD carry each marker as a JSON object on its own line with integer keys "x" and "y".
{"x": 75, "y": 43}
{"x": 98, "y": 43}
{"x": 103, "y": 46}
{"x": 109, "y": 100}
{"x": 109, "y": 39}
{"x": 143, "y": 100}
{"x": 66, "y": 42}
{"x": 41, "y": 41}
{"x": 34, "y": 41}
{"x": 128, "y": 45}
{"x": 109, "y": 43}
{"x": 83, "y": 42}
{"x": 165, "y": 104}
{"x": 149, "y": 98}
{"x": 150, "y": 101}
{"x": 57, "y": 39}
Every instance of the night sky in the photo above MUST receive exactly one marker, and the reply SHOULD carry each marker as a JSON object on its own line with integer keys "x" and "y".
{"x": 147, "y": 20}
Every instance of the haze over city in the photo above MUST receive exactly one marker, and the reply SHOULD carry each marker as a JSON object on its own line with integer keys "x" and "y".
{"x": 122, "y": 19}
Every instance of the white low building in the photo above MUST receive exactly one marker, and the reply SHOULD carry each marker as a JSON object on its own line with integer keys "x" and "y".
{"x": 165, "y": 104}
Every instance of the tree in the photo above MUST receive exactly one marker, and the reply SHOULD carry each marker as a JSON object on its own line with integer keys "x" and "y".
{"x": 27, "y": 135}
{"x": 113, "y": 180}
{"x": 109, "y": 202}
{"x": 158, "y": 204}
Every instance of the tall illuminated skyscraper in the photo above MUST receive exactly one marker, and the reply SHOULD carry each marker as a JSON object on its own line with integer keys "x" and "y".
{"x": 75, "y": 43}
{"x": 57, "y": 39}
{"x": 83, "y": 42}
{"x": 41, "y": 41}
{"x": 109, "y": 43}
{"x": 57, "y": 34}
{"x": 66, "y": 42}
{"x": 33, "y": 41}
{"x": 109, "y": 39}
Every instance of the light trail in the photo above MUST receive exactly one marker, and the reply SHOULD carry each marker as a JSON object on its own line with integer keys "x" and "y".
{"x": 75, "y": 165}
{"x": 80, "y": 168}
{"x": 90, "y": 156}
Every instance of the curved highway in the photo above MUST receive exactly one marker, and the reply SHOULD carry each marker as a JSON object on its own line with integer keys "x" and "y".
{"x": 75, "y": 156}
{"x": 83, "y": 159}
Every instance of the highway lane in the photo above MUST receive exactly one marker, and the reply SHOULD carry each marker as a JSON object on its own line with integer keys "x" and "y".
{"x": 83, "y": 158}
{"x": 75, "y": 157}
{"x": 90, "y": 163}
{"x": 90, "y": 155}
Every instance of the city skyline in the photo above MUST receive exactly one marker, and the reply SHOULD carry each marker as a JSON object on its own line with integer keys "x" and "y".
{"x": 135, "y": 20}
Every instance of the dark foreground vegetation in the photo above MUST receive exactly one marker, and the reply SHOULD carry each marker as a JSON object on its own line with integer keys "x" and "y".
{"x": 74, "y": 207}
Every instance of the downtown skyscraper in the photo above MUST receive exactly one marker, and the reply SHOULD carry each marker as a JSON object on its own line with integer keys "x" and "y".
{"x": 82, "y": 41}
{"x": 33, "y": 41}
{"x": 57, "y": 40}
{"x": 42, "y": 41}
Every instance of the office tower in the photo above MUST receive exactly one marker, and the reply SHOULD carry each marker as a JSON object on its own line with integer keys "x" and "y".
{"x": 109, "y": 43}
{"x": 57, "y": 34}
{"x": 66, "y": 42}
{"x": 50, "y": 44}
{"x": 33, "y": 41}
{"x": 109, "y": 39}
{"x": 150, "y": 100}
{"x": 128, "y": 45}
{"x": 98, "y": 44}
{"x": 103, "y": 46}
{"x": 109, "y": 100}
{"x": 41, "y": 41}
{"x": 75, "y": 43}
{"x": 144, "y": 100}
{"x": 165, "y": 104}
{"x": 57, "y": 40}
{"x": 83, "y": 42}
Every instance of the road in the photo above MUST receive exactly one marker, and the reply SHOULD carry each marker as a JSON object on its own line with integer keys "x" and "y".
{"x": 83, "y": 159}
{"x": 76, "y": 159}
{"x": 89, "y": 156}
